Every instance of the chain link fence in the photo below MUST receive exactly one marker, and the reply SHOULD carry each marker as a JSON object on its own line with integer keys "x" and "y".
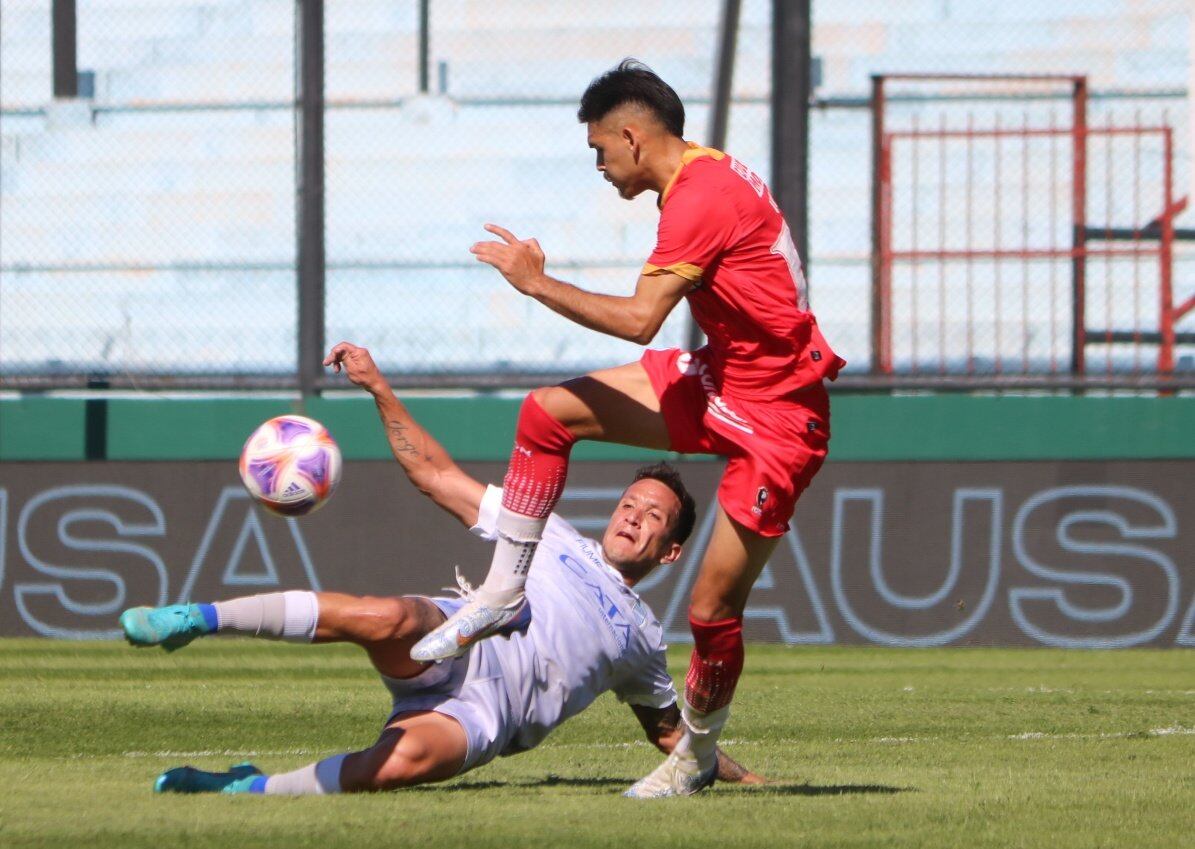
{"x": 986, "y": 317}
{"x": 147, "y": 228}
{"x": 413, "y": 177}
{"x": 148, "y": 225}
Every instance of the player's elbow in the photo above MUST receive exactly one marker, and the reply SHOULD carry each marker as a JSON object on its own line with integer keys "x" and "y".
{"x": 425, "y": 482}
{"x": 435, "y": 483}
{"x": 645, "y": 329}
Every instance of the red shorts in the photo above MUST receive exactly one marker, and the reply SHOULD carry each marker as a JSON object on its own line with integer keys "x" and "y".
{"x": 774, "y": 447}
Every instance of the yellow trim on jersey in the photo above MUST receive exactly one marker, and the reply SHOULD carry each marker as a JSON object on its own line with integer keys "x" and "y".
{"x": 687, "y": 270}
{"x": 695, "y": 151}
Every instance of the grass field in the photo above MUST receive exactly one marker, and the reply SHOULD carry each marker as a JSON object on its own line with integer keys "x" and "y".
{"x": 866, "y": 747}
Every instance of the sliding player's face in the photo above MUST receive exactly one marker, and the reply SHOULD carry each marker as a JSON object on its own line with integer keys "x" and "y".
{"x": 614, "y": 145}
{"x": 639, "y": 536}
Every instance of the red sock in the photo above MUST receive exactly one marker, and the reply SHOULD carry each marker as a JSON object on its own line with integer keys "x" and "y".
{"x": 538, "y": 463}
{"x": 716, "y": 663}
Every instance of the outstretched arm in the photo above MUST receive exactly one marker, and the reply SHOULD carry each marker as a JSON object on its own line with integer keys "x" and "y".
{"x": 428, "y": 466}
{"x": 636, "y": 318}
{"x": 663, "y": 728}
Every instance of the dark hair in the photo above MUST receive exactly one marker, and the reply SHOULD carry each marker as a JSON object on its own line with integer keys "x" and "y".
{"x": 670, "y": 477}
{"x": 633, "y": 82}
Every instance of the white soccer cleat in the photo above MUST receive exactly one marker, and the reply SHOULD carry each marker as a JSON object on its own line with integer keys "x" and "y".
{"x": 474, "y": 622}
{"x": 677, "y": 776}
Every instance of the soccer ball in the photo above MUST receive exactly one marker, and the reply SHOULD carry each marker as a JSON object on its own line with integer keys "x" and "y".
{"x": 290, "y": 465}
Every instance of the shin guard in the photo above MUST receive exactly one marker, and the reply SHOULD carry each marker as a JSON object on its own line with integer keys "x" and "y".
{"x": 538, "y": 464}
{"x": 715, "y": 665}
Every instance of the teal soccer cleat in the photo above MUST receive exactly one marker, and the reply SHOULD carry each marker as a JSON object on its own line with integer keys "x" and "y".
{"x": 170, "y": 627}
{"x": 188, "y": 779}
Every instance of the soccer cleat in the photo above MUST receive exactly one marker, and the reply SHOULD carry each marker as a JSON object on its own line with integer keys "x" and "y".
{"x": 170, "y": 627}
{"x": 472, "y": 623}
{"x": 677, "y": 776}
{"x": 188, "y": 779}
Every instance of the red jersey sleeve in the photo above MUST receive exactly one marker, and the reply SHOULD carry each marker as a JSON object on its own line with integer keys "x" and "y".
{"x": 696, "y": 226}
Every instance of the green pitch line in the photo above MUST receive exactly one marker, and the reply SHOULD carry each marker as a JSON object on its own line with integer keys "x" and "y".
{"x": 866, "y": 747}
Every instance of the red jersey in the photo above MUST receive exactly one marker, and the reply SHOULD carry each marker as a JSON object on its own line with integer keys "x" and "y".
{"x": 720, "y": 228}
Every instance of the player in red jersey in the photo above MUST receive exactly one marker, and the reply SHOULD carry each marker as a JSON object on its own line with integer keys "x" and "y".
{"x": 754, "y": 393}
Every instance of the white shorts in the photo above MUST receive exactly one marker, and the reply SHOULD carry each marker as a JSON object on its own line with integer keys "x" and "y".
{"x": 469, "y": 689}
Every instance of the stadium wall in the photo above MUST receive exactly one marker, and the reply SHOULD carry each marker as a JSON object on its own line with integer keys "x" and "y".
{"x": 941, "y": 520}
{"x": 865, "y": 427}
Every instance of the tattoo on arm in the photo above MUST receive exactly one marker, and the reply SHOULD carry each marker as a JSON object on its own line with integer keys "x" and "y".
{"x": 401, "y": 443}
{"x": 663, "y": 729}
{"x": 729, "y": 770}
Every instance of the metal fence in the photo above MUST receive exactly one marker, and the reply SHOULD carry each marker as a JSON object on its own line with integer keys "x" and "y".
{"x": 148, "y": 225}
{"x": 994, "y": 257}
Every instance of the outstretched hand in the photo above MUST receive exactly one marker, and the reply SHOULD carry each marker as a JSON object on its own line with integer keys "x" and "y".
{"x": 357, "y": 363}
{"x": 731, "y": 771}
{"x": 521, "y": 262}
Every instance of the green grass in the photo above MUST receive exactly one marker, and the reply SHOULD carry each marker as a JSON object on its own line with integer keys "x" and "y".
{"x": 866, "y": 747}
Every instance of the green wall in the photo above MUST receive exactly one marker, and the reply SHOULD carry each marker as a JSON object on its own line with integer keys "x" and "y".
{"x": 865, "y": 427}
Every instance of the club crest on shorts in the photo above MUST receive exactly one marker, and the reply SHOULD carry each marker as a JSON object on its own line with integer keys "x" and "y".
{"x": 761, "y": 498}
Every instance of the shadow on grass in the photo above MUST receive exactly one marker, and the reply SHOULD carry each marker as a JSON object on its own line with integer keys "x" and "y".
{"x": 778, "y": 789}
{"x": 825, "y": 789}
{"x": 546, "y": 781}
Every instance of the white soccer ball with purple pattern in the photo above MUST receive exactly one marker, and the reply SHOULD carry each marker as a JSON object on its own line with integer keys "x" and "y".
{"x": 290, "y": 465}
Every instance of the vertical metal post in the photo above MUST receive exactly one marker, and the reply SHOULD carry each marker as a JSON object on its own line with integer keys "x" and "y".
{"x": 64, "y": 38}
{"x": 424, "y": 39}
{"x": 724, "y": 73}
{"x": 886, "y": 258}
{"x": 720, "y": 110}
{"x": 1079, "y": 230}
{"x": 877, "y": 222}
{"x": 310, "y": 198}
{"x": 1166, "y": 262}
{"x": 791, "y": 33}
{"x": 95, "y": 419}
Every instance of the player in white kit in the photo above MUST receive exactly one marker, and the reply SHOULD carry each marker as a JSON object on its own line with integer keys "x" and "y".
{"x": 586, "y": 632}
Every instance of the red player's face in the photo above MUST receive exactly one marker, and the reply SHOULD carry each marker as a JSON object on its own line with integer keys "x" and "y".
{"x": 638, "y": 537}
{"x": 616, "y": 159}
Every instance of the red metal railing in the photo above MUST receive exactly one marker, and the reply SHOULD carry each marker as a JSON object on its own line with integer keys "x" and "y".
{"x": 939, "y": 269}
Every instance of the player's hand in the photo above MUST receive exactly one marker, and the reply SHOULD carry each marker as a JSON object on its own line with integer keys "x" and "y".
{"x": 731, "y": 771}
{"x": 357, "y": 363}
{"x": 752, "y": 778}
{"x": 521, "y": 262}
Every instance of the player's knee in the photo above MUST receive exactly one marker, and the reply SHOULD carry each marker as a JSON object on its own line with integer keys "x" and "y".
{"x": 711, "y": 607}
{"x": 409, "y": 762}
{"x": 559, "y": 404}
{"x": 382, "y": 619}
{"x": 544, "y": 396}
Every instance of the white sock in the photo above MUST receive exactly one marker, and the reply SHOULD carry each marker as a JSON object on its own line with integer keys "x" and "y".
{"x": 518, "y": 537}
{"x": 702, "y": 731}
{"x": 290, "y": 615}
{"x": 317, "y": 779}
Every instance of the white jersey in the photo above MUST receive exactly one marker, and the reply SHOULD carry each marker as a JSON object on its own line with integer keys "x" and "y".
{"x": 589, "y": 633}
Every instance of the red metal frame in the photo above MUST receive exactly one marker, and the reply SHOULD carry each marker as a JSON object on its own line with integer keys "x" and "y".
{"x": 1083, "y": 244}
